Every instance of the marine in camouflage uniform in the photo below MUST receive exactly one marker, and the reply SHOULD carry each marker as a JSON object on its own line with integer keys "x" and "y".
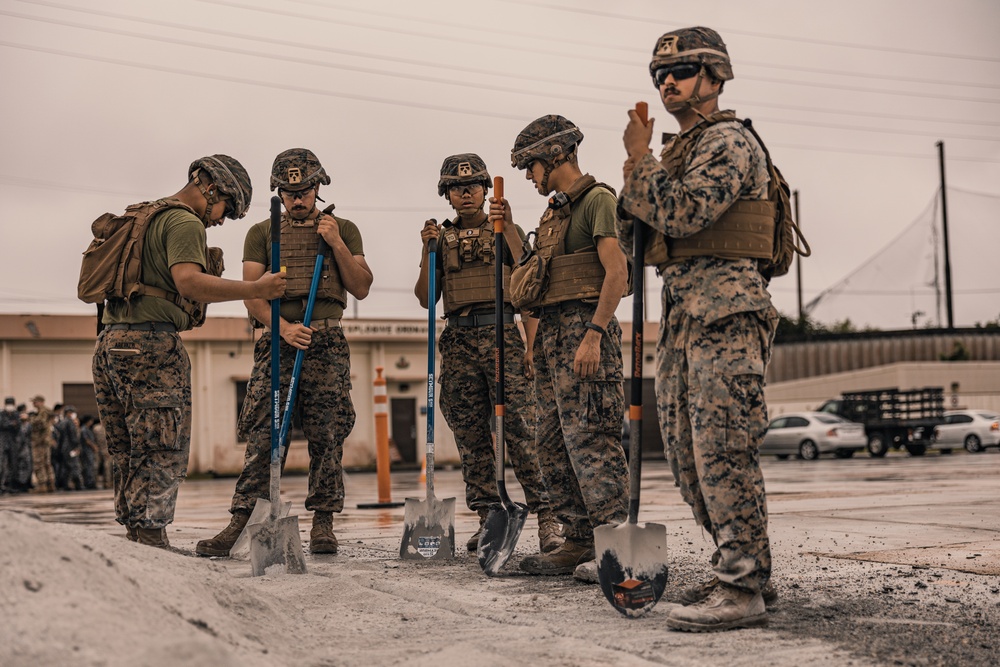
{"x": 466, "y": 273}
{"x": 717, "y": 324}
{"x": 142, "y": 373}
{"x": 324, "y": 386}
{"x": 41, "y": 446}
{"x": 579, "y": 382}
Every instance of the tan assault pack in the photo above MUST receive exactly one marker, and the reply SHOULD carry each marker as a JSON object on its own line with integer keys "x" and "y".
{"x": 764, "y": 229}
{"x": 112, "y": 263}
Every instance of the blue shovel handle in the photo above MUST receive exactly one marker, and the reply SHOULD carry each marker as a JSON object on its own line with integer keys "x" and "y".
{"x": 275, "y": 328}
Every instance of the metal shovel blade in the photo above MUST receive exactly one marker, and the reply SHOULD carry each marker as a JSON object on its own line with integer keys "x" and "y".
{"x": 631, "y": 565}
{"x": 261, "y": 512}
{"x": 275, "y": 541}
{"x": 428, "y": 529}
{"x": 500, "y": 532}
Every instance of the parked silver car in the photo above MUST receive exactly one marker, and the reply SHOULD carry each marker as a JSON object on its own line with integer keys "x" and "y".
{"x": 973, "y": 429}
{"x": 810, "y": 434}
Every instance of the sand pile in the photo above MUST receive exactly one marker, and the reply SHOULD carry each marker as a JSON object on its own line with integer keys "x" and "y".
{"x": 70, "y": 595}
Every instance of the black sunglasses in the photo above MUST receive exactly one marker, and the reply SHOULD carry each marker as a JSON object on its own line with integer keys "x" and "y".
{"x": 297, "y": 194}
{"x": 680, "y": 72}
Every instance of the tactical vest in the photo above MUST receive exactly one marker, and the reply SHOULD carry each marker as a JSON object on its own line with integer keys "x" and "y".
{"x": 746, "y": 229}
{"x": 299, "y": 248}
{"x": 578, "y": 275}
{"x": 468, "y": 257}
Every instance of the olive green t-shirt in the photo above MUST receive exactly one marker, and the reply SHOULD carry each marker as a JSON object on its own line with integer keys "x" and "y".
{"x": 592, "y": 217}
{"x": 257, "y": 248}
{"x": 174, "y": 236}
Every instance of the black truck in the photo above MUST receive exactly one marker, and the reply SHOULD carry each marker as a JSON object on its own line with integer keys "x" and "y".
{"x": 892, "y": 418}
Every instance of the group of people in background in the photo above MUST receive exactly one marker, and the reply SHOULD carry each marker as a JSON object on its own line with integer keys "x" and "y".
{"x": 44, "y": 450}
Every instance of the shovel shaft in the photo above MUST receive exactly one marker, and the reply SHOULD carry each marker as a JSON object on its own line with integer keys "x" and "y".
{"x": 638, "y": 323}
{"x": 431, "y": 331}
{"x": 293, "y": 383}
{"x": 501, "y": 399}
{"x": 275, "y": 327}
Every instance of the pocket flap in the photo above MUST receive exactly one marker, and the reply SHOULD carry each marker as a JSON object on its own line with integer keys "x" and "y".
{"x": 739, "y": 366}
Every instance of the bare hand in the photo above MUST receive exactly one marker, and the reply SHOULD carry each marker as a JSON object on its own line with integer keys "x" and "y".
{"x": 529, "y": 364}
{"x": 430, "y": 231}
{"x": 637, "y": 136}
{"x": 271, "y": 285}
{"x": 588, "y": 355}
{"x": 500, "y": 210}
{"x": 328, "y": 228}
{"x": 297, "y": 335}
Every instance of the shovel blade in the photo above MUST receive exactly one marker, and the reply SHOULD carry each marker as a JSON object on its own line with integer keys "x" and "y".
{"x": 631, "y": 565}
{"x": 500, "y": 532}
{"x": 428, "y": 529}
{"x": 276, "y": 542}
{"x": 261, "y": 512}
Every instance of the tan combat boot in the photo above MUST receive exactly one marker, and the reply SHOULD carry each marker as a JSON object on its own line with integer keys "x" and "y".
{"x": 473, "y": 543}
{"x": 321, "y": 537}
{"x": 725, "y": 608}
{"x": 549, "y": 532}
{"x": 563, "y": 560}
{"x": 696, "y": 594}
{"x": 152, "y": 537}
{"x": 224, "y": 541}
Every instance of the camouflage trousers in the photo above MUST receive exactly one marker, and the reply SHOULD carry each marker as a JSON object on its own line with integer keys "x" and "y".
{"x": 41, "y": 465}
{"x": 578, "y": 423}
{"x": 142, "y": 380}
{"x": 710, "y": 402}
{"x": 323, "y": 399}
{"x": 468, "y": 395}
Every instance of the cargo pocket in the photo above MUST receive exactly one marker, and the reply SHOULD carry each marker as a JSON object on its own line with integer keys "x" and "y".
{"x": 158, "y": 422}
{"x": 742, "y": 378}
{"x": 603, "y": 406}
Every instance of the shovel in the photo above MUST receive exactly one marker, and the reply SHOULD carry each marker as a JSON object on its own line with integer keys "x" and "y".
{"x": 273, "y": 535}
{"x": 505, "y": 521}
{"x": 630, "y": 558}
{"x": 429, "y": 524}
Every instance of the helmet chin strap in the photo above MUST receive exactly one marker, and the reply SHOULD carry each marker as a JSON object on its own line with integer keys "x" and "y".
{"x": 549, "y": 166}
{"x": 211, "y": 199}
{"x": 694, "y": 99}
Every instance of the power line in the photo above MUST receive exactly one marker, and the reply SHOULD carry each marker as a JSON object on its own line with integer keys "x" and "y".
{"x": 393, "y": 102}
{"x": 633, "y": 50}
{"x": 628, "y": 63}
{"x": 449, "y": 81}
{"x": 442, "y": 81}
{"x": 751, "y": 33}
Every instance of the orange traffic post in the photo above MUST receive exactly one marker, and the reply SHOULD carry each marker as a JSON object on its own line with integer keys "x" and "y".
{"x": 381, "y": 445}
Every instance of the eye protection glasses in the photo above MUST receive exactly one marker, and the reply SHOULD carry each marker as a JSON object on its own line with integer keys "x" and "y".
{"x": 679, "y": 72}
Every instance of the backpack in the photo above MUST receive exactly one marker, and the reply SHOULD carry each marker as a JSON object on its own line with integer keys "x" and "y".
{"x": 112, "y": 264}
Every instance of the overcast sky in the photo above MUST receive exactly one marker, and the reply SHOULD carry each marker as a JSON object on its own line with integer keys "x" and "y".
{"x": 107, "y": 102}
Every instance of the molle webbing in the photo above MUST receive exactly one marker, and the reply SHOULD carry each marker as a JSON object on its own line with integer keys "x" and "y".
{"x": 299, "y": 245}
{"x": 746, "y": 229}
{"x": 576, "y": 276}
{"x": 472, "y": 285}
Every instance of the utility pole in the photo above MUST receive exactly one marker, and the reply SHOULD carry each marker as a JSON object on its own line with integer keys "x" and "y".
{"x": 944, "y": 236}
{"x": 798, "y": 263}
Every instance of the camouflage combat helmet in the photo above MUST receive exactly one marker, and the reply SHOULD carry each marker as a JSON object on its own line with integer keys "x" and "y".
{"x": 462, "y": 169}
{"x": 692, "y": 45}
{"x": 297, "y": 169}
{"x": 231, "y": 179}
{"x": 551, "y": 139}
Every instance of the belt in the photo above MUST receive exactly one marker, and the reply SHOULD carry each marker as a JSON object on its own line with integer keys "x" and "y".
{"x": 484, "y": 320}
{"x": 557, "y": 307}
{"x": 318, "y": 325}
{"x": 144, "y": 326}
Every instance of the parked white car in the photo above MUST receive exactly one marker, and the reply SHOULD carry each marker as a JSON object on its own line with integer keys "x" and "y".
{"x": 810, "y": 434}
{"x": 973, "y": 429}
